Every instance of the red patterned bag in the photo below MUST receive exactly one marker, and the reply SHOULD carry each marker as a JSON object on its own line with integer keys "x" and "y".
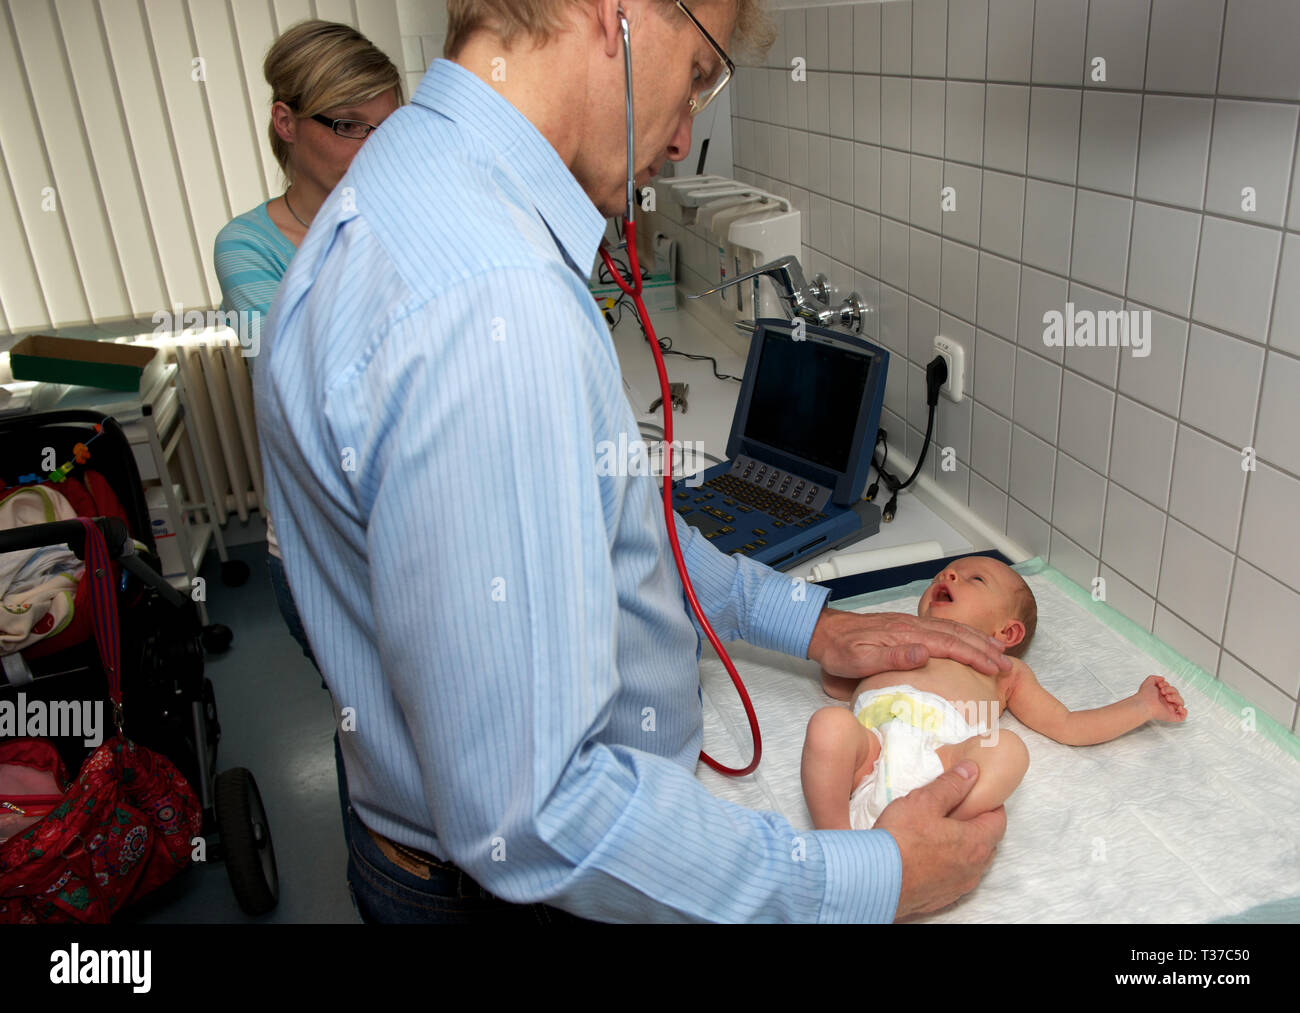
{"x": 121, "y": 829}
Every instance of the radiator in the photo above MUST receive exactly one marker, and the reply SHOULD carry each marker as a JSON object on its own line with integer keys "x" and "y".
{"x": 216, "y": 392}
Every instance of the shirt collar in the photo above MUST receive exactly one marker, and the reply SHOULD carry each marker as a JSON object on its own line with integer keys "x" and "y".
{"x": 454, "y": 92}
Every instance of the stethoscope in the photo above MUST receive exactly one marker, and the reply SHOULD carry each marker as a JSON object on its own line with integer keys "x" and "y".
{"x": 633, "y": 290}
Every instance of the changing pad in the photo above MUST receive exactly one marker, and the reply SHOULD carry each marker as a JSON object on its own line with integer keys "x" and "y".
{"x": 1181, "y": 823}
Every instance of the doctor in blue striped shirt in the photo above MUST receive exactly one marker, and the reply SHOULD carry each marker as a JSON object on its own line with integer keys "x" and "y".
{"x": 494, "y": 616}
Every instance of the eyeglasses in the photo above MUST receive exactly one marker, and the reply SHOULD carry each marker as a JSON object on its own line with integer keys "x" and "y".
{"x": 354, "y": 130}
{"x": 700, "y": 101}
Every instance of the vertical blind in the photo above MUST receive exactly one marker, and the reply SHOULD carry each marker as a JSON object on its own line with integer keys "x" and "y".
{"x": 133, "y": 130}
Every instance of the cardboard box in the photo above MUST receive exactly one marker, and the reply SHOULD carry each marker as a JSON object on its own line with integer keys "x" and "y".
{"x": 164, "y": 530}
{"x": 85, "y": 363}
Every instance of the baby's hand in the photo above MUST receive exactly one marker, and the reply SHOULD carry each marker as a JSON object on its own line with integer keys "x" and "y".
{"x": 1163, "y": 702}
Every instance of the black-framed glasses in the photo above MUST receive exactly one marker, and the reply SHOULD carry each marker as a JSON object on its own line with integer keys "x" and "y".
{"x": 353, "y": 130}
{"x": 701, "y": 99}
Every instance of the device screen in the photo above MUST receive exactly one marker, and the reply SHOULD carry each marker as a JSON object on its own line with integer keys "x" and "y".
{"x": 807, "y": 398}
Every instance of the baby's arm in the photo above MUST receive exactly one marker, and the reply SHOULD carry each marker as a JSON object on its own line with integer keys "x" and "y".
{"x": 1037, "y": 708}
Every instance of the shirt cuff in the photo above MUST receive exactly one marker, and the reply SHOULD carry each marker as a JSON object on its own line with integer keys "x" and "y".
{"x": 864, "y": 875}
{"x": 785, "y": 613}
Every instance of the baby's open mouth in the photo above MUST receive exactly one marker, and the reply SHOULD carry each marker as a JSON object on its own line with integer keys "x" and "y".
{"x": 941, "y": 593}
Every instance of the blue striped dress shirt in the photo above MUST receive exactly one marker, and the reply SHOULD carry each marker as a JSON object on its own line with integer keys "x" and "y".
{"x": 501, "y": 625}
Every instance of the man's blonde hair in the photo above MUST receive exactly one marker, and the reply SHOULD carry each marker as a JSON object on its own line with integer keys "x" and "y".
{"x": 540, "y": 20}
{"x": 320, "y": 65}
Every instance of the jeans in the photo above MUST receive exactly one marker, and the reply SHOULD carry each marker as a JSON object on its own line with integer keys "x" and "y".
{"x": 386, "y": 893}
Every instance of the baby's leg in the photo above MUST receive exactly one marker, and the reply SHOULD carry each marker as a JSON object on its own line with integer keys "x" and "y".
{"x": 1002, "y": 767}
{"x": 837, "y": 754}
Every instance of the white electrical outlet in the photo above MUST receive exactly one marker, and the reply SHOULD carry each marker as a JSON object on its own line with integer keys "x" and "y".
{"x": 955, "y": 356}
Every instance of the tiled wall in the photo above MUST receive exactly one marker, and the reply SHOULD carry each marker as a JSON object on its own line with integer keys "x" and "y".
{"x": 1117, "y": 194}
{"x": 424, "y": 27}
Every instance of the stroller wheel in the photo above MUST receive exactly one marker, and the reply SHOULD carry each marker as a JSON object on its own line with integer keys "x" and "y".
{"x": 246, "y": 841}
{"x": 217, "y": 638}
{"x": 234, "y": 572}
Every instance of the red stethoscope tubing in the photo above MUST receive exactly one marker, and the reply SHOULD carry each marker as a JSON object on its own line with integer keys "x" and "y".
{"x": 634, "y": 290}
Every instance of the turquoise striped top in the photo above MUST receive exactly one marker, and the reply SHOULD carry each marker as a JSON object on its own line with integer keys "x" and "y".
{"x": 251, "y": 256}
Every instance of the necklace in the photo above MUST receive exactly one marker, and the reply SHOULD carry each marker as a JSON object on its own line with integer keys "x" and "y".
{"x": 305, "y": 225}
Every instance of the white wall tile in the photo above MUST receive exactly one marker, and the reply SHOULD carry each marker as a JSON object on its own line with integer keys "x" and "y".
{"x": 866, "y": 242}
{"x": 958, "y": 276}
{"x": 1038, "y": 395}
{"x": 929, "y": 37}
{"x": 866, "y": 108}
{"x": 1157, "y": 379}
{"x": 1099, "y": 362}
{"x": 819, "y": 163}
{"x": 840, "y": 96}
{"x": 1183, "y": 54}
{"x": 1174, "y": 150}
{"x": 1039, "y": 294}
{"x": 1033, "y": 471}
{"x": 1259, "y": 49}
{"x": 1059, "y": 27}
{"x": 1077, "y": 503}
{"x": 896, "y": 112}
{"x": 1208, "y": 486}
{"x": 964, "y": 121}
{"x": 1279, "y": 413}
{"x": 1127, "y": 599}
{"x": 1054, "y": 133}
{"x": 1257, "y": 690}
{"x": 866, "y": 176}
{"x": 842, "y": 238}
{"x": 866, "y": 38}
{"x": 1143, "y": 451}
{"x": 841, "y": 170}
{"x": 1222, "y": 385}
{"x": 1117, "y": 32}
{"x": 895, "y": 183}
{"x": 995, "y": 372}
{"x": 1011, "y": 34}
{"x": 1049, "y": 225}
{"x": 1163, "y": 257}
{"x": 817, "y": 38}
{"x": 988, "y": 502}
{"x": 968, "y": 28}
{"x": 1194, "y": 578}
{"x": 896, "y": 37}
{"x": 1001, "y": 213}
{"x": 923, "y": 275}
{"x": 999, "y": 290}
{"x": 1251, "y": 146}
{"x": 819, "y": 103}
{"x": 1108, "y": 141}
{"x": 1028, "y": 529}
{"x": 1268, "y": 527}
{"x": 1186, "y": 640}
{"x": 1072, "y": 560}
{"x": 1100, "y": 252}
{"x": 1234, "y": 277}
{"x": 1087, "y": 415}
{"x": 894, "y": 238}
{"x": 840, "y": 39}
{"x": 1006, "y": 127}
{"x": 1261, "y": 627}
{"x": 1132, "y": 538}
{"x": 928, "y": 117}
{"x": 963, "y": 221}
{"x": 1284, "y": 330}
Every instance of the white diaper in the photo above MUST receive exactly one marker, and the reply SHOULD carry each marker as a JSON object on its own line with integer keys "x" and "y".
{"x": 911, "y": 725}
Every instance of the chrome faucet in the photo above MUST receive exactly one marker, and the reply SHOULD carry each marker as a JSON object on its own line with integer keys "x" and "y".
{"x": 810, "y": 300}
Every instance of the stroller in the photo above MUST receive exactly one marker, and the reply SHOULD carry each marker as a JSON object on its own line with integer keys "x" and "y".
{"x": 169, "y": 705}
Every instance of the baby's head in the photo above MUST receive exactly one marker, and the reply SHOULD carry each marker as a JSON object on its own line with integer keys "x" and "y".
{"x": 986, "y": 595}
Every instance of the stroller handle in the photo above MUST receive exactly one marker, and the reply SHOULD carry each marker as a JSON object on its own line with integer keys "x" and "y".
{"x": 70, "y": 533}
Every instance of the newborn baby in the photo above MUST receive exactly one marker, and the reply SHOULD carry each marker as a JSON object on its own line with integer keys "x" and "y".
{"x": 907, "y": 728}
